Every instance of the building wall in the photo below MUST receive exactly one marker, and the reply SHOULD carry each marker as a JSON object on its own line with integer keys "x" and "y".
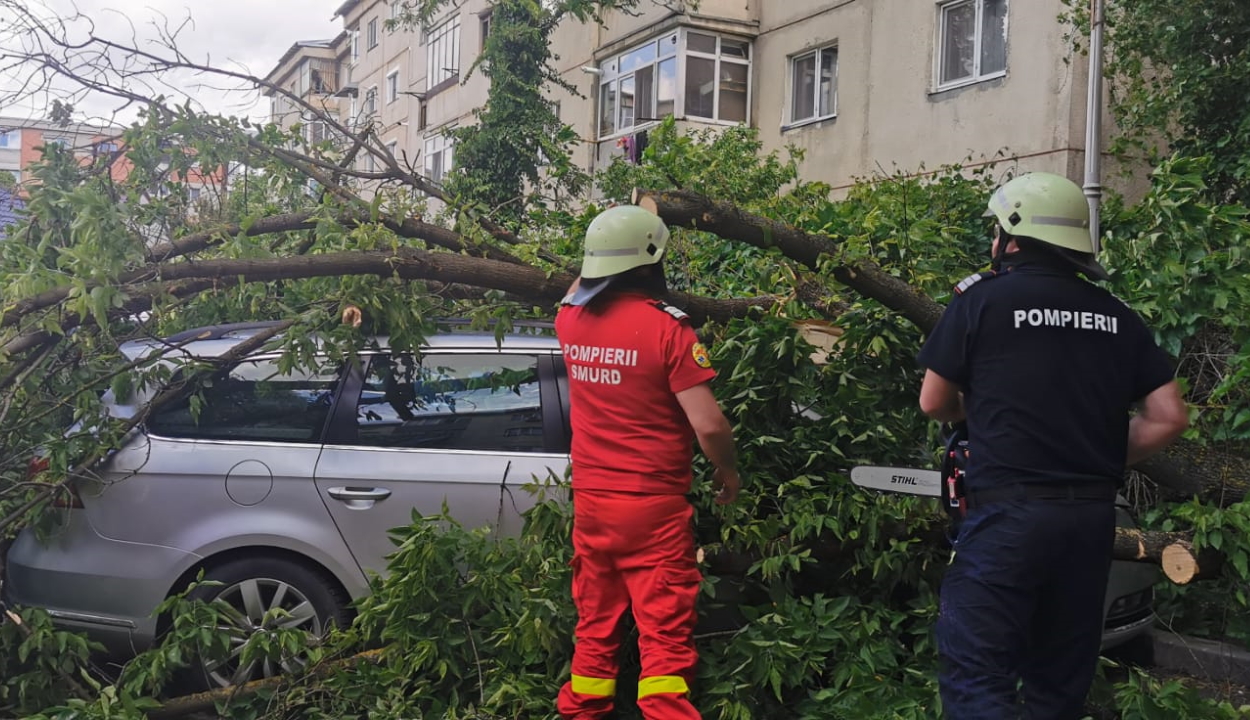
{"x": 890, "y": 115}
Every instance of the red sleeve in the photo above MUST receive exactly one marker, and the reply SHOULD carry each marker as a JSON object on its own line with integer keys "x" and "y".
{"x": 685, "y": 357}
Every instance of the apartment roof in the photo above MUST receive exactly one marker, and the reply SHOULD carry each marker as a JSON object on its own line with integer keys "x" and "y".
{"x": 294, "y": 50}
{"x": 342, "y": 11}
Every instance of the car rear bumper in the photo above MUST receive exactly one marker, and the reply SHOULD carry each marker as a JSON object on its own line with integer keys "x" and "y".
{"x": 105, "y": 588}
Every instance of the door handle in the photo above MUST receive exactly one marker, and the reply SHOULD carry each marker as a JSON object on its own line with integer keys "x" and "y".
{"x": 359, "y": 493}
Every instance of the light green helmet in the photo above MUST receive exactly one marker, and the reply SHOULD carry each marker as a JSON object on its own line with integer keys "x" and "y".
{"x": 1050, "y": 209}
{"x": 623, "y": 238}
{"x": 1046, "y": 207}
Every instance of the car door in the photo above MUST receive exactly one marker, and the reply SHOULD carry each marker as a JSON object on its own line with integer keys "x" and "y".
{"x": 454, "y": 428}
{"x": 232, "y": 464}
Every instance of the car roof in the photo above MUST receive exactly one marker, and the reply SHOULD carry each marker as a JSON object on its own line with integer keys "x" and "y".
{"x": 216, "y": 340}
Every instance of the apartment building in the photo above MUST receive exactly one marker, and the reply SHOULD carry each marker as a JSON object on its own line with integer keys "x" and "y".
{"x": 22, "y": 141}
{"x": 861, "y": 86}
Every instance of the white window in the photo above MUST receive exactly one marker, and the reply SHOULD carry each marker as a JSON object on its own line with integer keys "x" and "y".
{"x": 371, "y": 34}
{"x": 352, "y": 110}
{"x": 438, "y": 156}
{"x": 814, "y": 85}
{"x": 58, "y": 140}
{"x": 371, "y": 101}
{"x": 392, "y": 147}
{"x": 717, "y": 73}
{"x": 972, "y": 41}
{"x": 315, "y": 131}
{"x": 397, "y": 9}
{"x": 392, "y": 86}
{"x": 17, "y": 174}
{"x": 355, "y": 45}
{"x": 193, "y": 194}
{"x": 442, "y": 52}
{"x": 11, "y": 138}
{"x": 641, "y": 86}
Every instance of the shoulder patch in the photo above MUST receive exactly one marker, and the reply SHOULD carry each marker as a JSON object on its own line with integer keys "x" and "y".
{"x": 973, "y": 279}
{"x": 675, "y": 312}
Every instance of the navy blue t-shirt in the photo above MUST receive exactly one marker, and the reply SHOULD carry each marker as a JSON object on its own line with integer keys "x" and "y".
{"x": 1050, "y": 366}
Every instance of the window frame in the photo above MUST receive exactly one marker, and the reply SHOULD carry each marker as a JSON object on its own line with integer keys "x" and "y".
{"x": 940, "y": 45}
{"x": 442, "y": 42}
{"x": 443, "y": 145}
{"x": 342, "y": 431}
{"x": 11, "y": 139}
{"x": 370, "y": 105}
{"x": 336, "y": 378}
{"x": 788, "y": 119}
{"x": 392, "y": 86}
{"x": 371, "y": 34}
{"x": 611, "y": 78}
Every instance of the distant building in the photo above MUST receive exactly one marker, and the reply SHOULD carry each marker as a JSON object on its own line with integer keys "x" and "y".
{"x": 861, "y": 86}
{"x": 22, "y": 141}
{"x": 10, "y": 207}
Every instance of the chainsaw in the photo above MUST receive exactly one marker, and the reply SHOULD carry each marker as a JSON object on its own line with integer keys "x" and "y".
{"x": 946, "y": 484}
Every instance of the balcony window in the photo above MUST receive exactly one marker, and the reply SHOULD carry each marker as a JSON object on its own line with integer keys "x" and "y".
{"x": 442, "y": 52}
{"x": 10, "y": 138}
{"x": 640, "y": 86}
{"x": 972, "y": 41}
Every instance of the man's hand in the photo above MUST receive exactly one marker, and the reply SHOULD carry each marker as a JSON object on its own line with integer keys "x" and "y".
{"x": 726, "y": 483}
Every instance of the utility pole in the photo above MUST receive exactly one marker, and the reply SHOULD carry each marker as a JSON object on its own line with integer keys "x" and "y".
{"x": 1093, "y": 125}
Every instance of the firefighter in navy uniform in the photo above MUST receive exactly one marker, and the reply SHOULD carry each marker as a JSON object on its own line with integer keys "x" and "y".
{"x": 1061, "y": 386}
{"x": 639, "y": 397}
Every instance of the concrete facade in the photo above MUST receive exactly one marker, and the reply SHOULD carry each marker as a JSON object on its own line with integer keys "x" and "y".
{"x": 861, "y": 86}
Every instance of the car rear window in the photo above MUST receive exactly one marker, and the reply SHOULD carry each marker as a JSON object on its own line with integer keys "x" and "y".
{"x": 253, "y": 401}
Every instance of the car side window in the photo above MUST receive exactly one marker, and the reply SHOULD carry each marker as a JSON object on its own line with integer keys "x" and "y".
{"x": 452, "y": 402}
{"x": 255, "y": 401}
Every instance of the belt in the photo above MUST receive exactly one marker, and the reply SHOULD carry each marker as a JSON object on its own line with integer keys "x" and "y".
{"x": 1097, "y": 490}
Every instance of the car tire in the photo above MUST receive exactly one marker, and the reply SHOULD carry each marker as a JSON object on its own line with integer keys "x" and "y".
{"x": 254, "y": 586}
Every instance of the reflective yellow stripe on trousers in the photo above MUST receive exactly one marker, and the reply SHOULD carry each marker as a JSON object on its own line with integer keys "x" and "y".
{"x": 599, "y": 687}
{"x": 661, "y": 684}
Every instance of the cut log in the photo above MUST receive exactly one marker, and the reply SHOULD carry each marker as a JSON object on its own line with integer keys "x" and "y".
{"x": 1173, "y": 552}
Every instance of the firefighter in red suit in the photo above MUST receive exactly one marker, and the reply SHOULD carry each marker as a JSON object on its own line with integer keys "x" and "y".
{"x": 639, "y": 397}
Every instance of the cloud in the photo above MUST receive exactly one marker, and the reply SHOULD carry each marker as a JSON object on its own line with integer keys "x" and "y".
{"x": 247, "y": 36}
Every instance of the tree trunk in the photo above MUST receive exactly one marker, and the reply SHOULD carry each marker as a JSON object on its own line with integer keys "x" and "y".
{"x": 1186, "y": 469}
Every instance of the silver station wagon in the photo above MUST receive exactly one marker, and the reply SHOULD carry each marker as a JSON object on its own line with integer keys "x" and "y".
{"x": 284, "y": 485}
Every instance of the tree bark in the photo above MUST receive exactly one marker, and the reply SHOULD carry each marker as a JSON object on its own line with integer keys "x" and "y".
{"x": 681, "y": 208}
{"x": 207, "y": 700}
{"x": 1186, "y": 470}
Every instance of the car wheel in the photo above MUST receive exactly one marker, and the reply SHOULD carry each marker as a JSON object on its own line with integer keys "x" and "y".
{"x": 252, "y": 588}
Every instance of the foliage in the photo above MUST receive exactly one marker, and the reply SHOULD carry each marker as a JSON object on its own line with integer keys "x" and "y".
{"x": 516, "y": 157}
{"x": 1179, "y": 74}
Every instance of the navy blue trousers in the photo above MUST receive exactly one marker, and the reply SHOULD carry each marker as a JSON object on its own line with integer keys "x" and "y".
{"x": 1022, "y": 609}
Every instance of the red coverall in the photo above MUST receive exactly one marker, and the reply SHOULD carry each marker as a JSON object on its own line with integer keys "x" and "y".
{"x": 633, "y": 543}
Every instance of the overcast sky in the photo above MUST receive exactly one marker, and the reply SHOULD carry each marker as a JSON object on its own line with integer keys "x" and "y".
{"x": 239, "y": 34}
